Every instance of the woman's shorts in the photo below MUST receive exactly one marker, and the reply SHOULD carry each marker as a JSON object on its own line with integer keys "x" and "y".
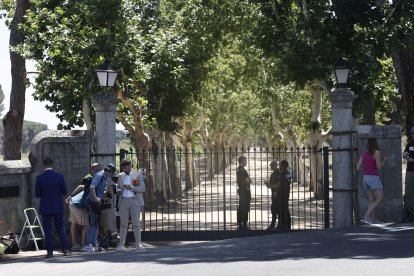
{"x": 371, "y": 182}
{"x": 78, "y": 216}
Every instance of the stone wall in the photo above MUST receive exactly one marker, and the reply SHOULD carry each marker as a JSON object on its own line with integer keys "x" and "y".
{"x": 15, "y": 194}
{"x": 389, "y": 142}
{"x": 70, "y": 152}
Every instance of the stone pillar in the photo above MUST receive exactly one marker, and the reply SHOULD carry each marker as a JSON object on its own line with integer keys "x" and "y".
{"x": 389, "y": 142}
{"x": 105, "y": 108}
{"x": 105, "y": 131}
{"x": 342, "y": 129}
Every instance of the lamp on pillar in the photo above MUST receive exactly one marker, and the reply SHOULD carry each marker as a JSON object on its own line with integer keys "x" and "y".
{"x": 106, "y": 73}
{"x": 342, "y": 99}
{"x": 105, "y": 111}
{"x": 341, "y": 71}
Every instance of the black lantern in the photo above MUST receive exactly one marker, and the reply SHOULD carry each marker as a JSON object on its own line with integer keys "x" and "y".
{"x": 106, "y": 73}
{"x": 341, "y": 70}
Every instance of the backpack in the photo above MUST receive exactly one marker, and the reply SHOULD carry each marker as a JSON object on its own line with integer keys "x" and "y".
{"x": 12, "y": 247}
{"x": 84, "y": 202}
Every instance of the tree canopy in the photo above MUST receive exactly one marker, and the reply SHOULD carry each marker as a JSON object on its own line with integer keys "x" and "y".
{"x": 248, "y": 68}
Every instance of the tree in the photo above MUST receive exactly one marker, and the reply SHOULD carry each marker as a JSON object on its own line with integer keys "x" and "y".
{"x": 307, "y": 37}
{"x": 13, "y": 120}
{"x": 1, "y": 101}
{"x": 159, "y": 47}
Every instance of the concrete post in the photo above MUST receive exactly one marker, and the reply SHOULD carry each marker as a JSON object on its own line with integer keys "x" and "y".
{"x": 105, "y": 108}
{"x": 342, "y": 129}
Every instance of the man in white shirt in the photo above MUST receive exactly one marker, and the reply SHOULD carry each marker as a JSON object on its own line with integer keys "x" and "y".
{"x": 131, "y": 201}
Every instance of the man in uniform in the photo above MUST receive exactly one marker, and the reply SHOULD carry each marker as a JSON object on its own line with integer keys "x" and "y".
{"x": 243, "y": 184}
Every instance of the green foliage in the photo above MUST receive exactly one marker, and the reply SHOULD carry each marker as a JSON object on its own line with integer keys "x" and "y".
{"x": 160, "y": 51}
{"x": 307, "y": 37}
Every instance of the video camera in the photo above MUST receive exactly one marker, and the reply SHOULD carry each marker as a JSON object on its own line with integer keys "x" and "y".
{"x": 100, "y": 206}
{"x": 103, "y": 204}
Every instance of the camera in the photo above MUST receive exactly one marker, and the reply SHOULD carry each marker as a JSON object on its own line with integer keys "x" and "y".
{"x": 114, "y": 179}
{"x": 103, "y": 204}
{"x": 100, "y": 206}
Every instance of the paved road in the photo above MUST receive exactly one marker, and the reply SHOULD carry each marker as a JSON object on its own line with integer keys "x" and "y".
{"x": 366, "y": 250}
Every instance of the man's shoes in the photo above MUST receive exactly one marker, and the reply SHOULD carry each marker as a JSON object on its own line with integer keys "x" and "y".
{"x": 49, "y": 255}
{"x": 120, "y": 247}
{"x": 76, "y": 247}
{"x": 66, "y": 253}
{"x": 271, "y": 227}
{"x": 139, "y": 246}
{"x": 88, "y": 248}
{"x": 245, "y": 227}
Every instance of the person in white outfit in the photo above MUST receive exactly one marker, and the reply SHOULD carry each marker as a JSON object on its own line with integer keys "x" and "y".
{"x": 131, "y": 200}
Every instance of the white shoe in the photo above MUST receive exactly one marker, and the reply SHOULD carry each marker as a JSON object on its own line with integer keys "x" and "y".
{"x": 139, "y": 246}
{"x": 120, "y": 247}
{"x": 367, "y": 220}
{"x": 88, "y": 248}
{"x": 377, "y": 221}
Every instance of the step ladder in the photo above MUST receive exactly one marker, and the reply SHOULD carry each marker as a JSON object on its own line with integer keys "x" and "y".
{"x": 31, "y": 228}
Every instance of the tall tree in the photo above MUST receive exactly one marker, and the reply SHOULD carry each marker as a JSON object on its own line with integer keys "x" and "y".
{"x": 1, "y": 100}
{"x": 13, "y": 120}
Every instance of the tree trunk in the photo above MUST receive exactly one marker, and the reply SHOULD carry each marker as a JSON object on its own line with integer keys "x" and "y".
{"x": 316, "y": 139}
{"x": 165, "y": 167}
{"x": 403, "y": 60}
{"x": 13, "y": 120}
{"x": 191, "y": 176}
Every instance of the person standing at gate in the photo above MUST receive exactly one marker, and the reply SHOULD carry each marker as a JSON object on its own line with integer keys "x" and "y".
{"x": 272, "y": 184}
{"x": 409, "y": 173}
{"x": 95, "y": 197}
{"x": 243, "y": 190}
{"x": 370, "y": 163}
{"x": 130, "y": 202}
{"x": 50, "y": 187}
{"x": 283, "y": 193}
{"x": 78, "y": 214}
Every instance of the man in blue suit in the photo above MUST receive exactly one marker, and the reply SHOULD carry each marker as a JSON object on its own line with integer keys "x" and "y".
{"x": 50, "y": 187}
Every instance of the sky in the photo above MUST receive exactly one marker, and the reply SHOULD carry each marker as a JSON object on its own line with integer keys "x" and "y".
{"x": 35, "y": 111}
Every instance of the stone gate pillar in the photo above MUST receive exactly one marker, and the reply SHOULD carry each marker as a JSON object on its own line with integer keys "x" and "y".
{"x": 105, "y": 131}
{"x": 105, "y": 108}
{"x": 342, "y": 129}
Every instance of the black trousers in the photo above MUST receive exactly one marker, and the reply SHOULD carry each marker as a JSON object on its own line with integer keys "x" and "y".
{"x": 274, "y": 208}
{"x": 244, "y": 207}
{"x": 283, "y": 213}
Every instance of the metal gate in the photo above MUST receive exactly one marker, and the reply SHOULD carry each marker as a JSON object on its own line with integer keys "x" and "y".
{"x": 207, "y": 209}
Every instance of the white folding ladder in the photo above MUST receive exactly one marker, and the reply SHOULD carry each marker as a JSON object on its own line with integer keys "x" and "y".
{"x": 31, "y": 228}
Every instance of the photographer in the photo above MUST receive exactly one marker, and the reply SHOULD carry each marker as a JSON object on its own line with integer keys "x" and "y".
{"x": 130, "y": 203}
{"x": 96, "y": 195}
{"x": 108, "y": 218}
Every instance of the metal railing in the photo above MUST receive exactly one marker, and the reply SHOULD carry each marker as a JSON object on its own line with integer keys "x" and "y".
{"x": 194, "y": 193}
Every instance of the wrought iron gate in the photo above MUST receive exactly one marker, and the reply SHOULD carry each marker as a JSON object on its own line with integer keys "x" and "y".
{"x": 208, "y": 210}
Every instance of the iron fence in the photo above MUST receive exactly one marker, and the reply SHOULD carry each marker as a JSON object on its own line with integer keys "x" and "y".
{"x": 193, "y": 194}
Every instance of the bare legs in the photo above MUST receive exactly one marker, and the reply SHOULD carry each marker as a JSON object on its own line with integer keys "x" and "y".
{"x": 374, "y": 197}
